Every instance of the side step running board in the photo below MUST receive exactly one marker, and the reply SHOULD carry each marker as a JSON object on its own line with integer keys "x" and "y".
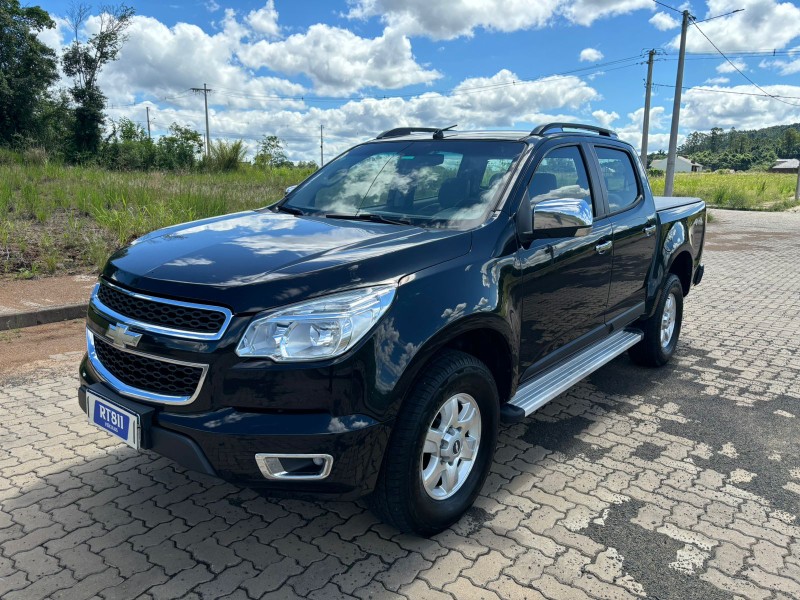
{"x": 534, "y": 394}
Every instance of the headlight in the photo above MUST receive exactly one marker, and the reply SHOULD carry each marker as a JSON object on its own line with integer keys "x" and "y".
{"x": 318, "y": 329}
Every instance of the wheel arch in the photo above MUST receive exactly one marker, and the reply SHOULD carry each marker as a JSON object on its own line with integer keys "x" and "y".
{"x": 486, "y": 337}
{"x": 681, "y": 265}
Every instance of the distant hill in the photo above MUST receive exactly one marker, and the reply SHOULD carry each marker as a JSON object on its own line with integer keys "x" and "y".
{"x": 742, "y": 150}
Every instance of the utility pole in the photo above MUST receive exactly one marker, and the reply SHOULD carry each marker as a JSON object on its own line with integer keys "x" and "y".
{"x": 646, "y": 122}
{"x": 321, "y": 155}
{"x": 148, "y": 123}
{"x": 797, "y": 188}
{"x": 205, "y": 91}
{"x": 669, "y": 179}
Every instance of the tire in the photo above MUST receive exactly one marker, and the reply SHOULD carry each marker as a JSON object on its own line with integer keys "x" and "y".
{"x": 401, "y": 498}
{"x": 658, "y": 345}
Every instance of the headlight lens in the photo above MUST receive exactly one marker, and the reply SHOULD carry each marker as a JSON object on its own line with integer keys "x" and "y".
{"x": 319, "y": 329}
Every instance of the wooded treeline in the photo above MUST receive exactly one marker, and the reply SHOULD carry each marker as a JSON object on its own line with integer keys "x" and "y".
{"x": 756, "y": 149}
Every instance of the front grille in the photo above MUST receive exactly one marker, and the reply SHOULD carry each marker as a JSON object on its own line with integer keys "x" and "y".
{"x": 161, "y": 313}
{"x": 148, "y": 374}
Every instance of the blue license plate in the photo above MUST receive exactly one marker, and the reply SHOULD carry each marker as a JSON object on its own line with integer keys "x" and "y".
{"x": 114, "y": 419}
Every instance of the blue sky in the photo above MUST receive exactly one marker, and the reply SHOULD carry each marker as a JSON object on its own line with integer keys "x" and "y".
{"x": 360, "y": 66}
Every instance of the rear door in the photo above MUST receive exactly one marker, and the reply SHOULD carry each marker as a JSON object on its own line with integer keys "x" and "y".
{"x": 566, "y": 280}
{"x": 634, "y": 226}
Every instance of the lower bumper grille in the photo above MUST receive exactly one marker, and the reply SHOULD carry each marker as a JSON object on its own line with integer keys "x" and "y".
{"x": 145, "y": 376}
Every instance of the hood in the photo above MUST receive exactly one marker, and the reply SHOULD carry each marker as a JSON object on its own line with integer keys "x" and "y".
{"x": 259, "y": 259}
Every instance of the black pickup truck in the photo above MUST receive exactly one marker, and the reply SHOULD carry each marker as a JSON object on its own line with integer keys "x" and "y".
{"x": 367, "y": 334}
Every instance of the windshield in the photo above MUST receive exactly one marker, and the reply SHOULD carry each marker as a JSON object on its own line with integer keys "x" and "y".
{"x": 431, "y": 183}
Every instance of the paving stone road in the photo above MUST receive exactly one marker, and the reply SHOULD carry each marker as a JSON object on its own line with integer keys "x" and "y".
{"x": 682, "y": 482}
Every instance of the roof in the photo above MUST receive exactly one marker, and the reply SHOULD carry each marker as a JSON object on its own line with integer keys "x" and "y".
{"x": 683, "y": 158}
{"x": 787, "y": 163}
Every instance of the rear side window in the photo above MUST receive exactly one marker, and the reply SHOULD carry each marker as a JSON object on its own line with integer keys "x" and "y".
{"x": 561, "y": 174}
{"x": 620, "y": 178}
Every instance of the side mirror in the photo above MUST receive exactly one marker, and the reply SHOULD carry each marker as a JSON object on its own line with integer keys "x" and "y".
{"x": 562, "y": 217}
{"x": 289, "y": 189}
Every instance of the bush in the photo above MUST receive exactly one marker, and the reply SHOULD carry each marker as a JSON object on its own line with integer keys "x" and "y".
{"x": 225, "y": 156}
{"x": 35, "y": 156}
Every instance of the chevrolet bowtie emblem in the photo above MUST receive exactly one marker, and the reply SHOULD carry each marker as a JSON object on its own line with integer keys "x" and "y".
{"x": 121, "y": 337}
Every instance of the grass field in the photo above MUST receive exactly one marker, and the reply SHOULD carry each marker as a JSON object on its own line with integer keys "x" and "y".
{"x": 741, "y": 191}
{"x": 56, "y": 219}
{"x": 60, "y": 220}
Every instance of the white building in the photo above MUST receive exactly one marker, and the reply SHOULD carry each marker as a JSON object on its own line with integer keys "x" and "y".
{"x": 682, "y": 165}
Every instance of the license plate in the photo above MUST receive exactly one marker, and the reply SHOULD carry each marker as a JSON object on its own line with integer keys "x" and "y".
{"x": 114, "y": 419}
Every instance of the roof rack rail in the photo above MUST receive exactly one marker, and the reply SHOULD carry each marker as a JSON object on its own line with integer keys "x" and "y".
{"x": 543, "y": 129}
{"x": 400, "y": 131}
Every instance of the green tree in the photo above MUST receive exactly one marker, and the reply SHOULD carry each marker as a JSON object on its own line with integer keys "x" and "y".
{"x": 83, "y": 61}
{"x": 270, "y": 152}
{"x": 790, "y": 144}
{"x": 180, "y": 149}
{"x": 27, "y": 69}
{"x": 128, "y": 147}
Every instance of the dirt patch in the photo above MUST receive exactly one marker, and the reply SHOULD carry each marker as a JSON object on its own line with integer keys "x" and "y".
{"x": 18, "y": 295}
{"x": 23, "y": 351}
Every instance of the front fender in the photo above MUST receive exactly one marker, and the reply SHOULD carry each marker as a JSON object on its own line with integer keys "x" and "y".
{"x": 434, "y": 307}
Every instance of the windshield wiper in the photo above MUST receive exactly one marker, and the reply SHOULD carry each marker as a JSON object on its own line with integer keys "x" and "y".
{"x": 289, "y": 209}
{"x": 370, "y": 217}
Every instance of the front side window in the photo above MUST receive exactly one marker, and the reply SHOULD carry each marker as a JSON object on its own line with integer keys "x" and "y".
{"x": 431, "y": 183}
{"x": 619, "y": 177}
{"x": 560, "y": 174}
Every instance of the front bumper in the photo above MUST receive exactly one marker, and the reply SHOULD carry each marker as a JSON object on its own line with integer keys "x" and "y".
{"x": 225, "y": 442}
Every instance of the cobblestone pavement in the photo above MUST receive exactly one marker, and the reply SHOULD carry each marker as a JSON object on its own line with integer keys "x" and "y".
{"x": 678, "y": 483}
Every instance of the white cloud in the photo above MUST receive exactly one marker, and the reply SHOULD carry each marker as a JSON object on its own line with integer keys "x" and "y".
{"x": 664, "y": 21}
{"x": 763, "y": 24}
{"x": 340, "y": 62}
{"x": 586, "y": 12}
{"x": 658, "y": 138}
{"x": 717, "y": 80}
{"x": 212, "y": 6}
{"x": 604, "y": 118}
{"x": 591, "y": 55}
{"x": 784, "y": 67}
{"x": 455, "y": 18}
{"x": 265, "y": 20}
{"x": 731, "y": 67}
{"x": 475, "y": 103}
{"x": 705, "y": 109}
{"x": 164, "y": 61}
{"x": 159, "y": 61}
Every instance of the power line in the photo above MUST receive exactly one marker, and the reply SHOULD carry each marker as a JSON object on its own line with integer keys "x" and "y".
{"x": 727, "y": 14}
{"x": 677, "y": 10}
{"x": 735, "y": 66}
{"x": 718, "y": 91}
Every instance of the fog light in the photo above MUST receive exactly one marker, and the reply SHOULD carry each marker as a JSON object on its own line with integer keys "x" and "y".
{"x": 294, "y": 466}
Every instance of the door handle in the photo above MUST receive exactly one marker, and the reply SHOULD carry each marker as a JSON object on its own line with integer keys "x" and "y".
{"x": 649, "y": 230}
{"x": 603, "y": 248}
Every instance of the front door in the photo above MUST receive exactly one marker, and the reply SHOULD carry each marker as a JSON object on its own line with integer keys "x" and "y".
{"x": 566, "y": 280}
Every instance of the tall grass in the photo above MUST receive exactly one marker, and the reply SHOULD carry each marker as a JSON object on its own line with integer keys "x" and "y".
{"x": 226, "y": 156}
{"x": 61, "y": 219}
{"x": 742, "y": 191}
